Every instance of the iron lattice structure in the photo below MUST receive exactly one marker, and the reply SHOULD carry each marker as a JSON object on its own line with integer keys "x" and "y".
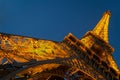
{"x": 88, "y": 58}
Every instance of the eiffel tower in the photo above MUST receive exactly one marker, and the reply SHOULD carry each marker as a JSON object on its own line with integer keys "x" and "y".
{"x": 88, "y": 58}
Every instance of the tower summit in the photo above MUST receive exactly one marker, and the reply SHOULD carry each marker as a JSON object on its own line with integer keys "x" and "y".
{"x": 101, "y": 29}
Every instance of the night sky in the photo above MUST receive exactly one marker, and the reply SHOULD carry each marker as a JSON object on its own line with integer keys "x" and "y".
{"x": 54, "y": 19}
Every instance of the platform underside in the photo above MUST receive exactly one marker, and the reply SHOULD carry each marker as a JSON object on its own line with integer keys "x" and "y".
{"x": 59, "y": 73}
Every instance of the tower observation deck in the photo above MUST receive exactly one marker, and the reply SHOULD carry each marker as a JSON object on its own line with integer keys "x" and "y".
{"x": 87, "y": 58}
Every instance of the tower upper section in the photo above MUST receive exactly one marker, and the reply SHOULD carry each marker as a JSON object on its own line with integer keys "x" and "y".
{"x": 94, "y": 48}
{"x": 101, "y": 28}
{"x": 97, "y": 41}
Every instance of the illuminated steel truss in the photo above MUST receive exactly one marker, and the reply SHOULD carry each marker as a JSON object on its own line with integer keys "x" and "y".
{"x": 88, "y": 58}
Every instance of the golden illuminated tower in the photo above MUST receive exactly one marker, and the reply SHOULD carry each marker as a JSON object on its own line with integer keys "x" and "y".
{"x": 88, "y": 58}
{"x": 97, "y": 41}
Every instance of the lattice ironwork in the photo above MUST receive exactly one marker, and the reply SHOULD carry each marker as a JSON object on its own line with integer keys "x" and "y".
{"x": 88, "y": 58}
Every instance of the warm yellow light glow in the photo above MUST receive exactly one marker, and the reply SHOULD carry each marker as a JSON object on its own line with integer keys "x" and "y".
{"x": 101, "y": 29}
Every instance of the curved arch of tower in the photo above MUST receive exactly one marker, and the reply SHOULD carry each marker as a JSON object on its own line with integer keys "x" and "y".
{"x": 88, "y": 58}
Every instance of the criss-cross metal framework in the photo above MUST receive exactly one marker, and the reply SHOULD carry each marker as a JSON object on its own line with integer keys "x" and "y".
{"x": 88, "y": 58}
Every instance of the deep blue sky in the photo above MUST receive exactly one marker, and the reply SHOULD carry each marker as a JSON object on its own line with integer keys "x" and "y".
{"x": 54, "y": 19}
